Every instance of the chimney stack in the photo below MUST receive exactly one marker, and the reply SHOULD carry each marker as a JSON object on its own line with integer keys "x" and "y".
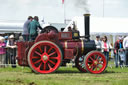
{"x": 87, "y": 26}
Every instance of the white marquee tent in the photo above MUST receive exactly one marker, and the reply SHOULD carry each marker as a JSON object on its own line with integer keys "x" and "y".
{"x": 102, "y": 25}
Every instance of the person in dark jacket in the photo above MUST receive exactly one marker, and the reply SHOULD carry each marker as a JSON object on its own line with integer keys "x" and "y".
{"x": 25, "y": 32}
{"x": 119, "y": 52}
{"x": 33, "y": 27}
{"x": 11, "y": 45}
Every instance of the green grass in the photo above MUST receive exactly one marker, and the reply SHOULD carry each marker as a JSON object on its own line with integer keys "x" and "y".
{"x": 63, "y": 76}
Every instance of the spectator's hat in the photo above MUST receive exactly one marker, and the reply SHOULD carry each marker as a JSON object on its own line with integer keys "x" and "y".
{"x": 11, "y": 36}
{"x": 1, "y": 38}
{"x": 120, "y": 37}
{"x": 98, "y": 36}
{"x": 6, "y": 37}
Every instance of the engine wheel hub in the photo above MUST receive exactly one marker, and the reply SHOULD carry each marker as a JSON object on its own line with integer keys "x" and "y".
{"x": 45, "y": 58}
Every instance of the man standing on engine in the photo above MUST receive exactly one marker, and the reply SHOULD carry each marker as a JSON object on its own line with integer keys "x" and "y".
{"x": 25, "y": 32}
{"x": 33, "y": 27}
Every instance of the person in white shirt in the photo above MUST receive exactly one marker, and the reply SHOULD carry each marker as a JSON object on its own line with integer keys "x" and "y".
{"x": 106, "y": 46}
{"x": 125, "y": 43}
{"x": 98, "y": 43}
{"x": 125, "y": 46}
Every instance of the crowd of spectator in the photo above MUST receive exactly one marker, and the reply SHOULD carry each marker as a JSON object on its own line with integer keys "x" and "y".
{"x": 7, "y": 51}
{"x": 120, "y": 49}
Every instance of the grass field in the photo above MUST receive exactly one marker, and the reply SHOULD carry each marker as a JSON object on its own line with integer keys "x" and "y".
{"x": 63, "y": 76}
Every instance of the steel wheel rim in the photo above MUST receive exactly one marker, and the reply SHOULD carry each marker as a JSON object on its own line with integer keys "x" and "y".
{"x": 45, "y": 57}
{"x": 80, "y": 64}
{"x": 95, "y": 62}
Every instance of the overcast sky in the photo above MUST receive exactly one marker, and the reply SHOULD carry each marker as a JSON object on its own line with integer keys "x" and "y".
{"x": 53, "y": 10}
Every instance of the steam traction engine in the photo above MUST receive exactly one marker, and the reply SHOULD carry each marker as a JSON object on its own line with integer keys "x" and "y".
{"x": 52, "y": 49}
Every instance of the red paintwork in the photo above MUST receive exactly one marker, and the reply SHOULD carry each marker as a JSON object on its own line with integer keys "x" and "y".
{"x": 68, "y": 54}
{"x": 95, "y": 62}
{"x": 23, "y": 48}
{"x": 45, "y": 57}
{"x": 63, "y": 45}
{"x": 73, "y": 46}
{"x": 76, "y": 46}
{"x": 51, "y": 36}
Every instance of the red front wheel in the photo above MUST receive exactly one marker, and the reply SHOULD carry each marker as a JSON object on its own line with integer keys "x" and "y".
{"x": 95, "y": 62}
{"x": 44, "y": 57}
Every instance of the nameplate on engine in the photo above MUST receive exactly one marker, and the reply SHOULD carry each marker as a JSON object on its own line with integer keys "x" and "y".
{"x": 65, "y": 35}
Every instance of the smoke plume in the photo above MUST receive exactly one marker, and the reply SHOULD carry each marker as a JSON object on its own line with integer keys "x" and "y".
{"x": 82, "y": 4}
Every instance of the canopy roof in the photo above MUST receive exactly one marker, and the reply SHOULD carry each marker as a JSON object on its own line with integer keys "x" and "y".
{"x": 102, "y": 25}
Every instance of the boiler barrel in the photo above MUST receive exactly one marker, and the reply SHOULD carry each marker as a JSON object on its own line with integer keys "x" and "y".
{"x": 81, "y": 47}
{"x": 89, "y": 46}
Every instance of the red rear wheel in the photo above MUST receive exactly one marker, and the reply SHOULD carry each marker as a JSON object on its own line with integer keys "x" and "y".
{"x": 95, "y": 62}
{"x": 44, "y": 57}
{"x": 79, "y": 62}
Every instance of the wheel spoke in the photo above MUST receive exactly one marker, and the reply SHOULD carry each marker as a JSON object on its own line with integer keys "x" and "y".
{"x": 54, "y": 58}
{"x": 45, "y": 48}
{"x": 49, "y": 66}
{"x": 38, "y": 53}
{"x": 97, "y": 58}
{"x": 91, "y": 65}
{"x": 52, "y": 54}
{"x": 52, "y": 62}
{"x": 44, "y": 66}
{"x": 92, "y": 68}
{"x": 34, "y": 57}
{"x": 50, "y": 49}
{"x": 40, "y": 49}
{"x": 39, "y": 66}
{"x": 37, "y": 61}
{"x": 89, "y": 61}
{"x": 91, "y": 58}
